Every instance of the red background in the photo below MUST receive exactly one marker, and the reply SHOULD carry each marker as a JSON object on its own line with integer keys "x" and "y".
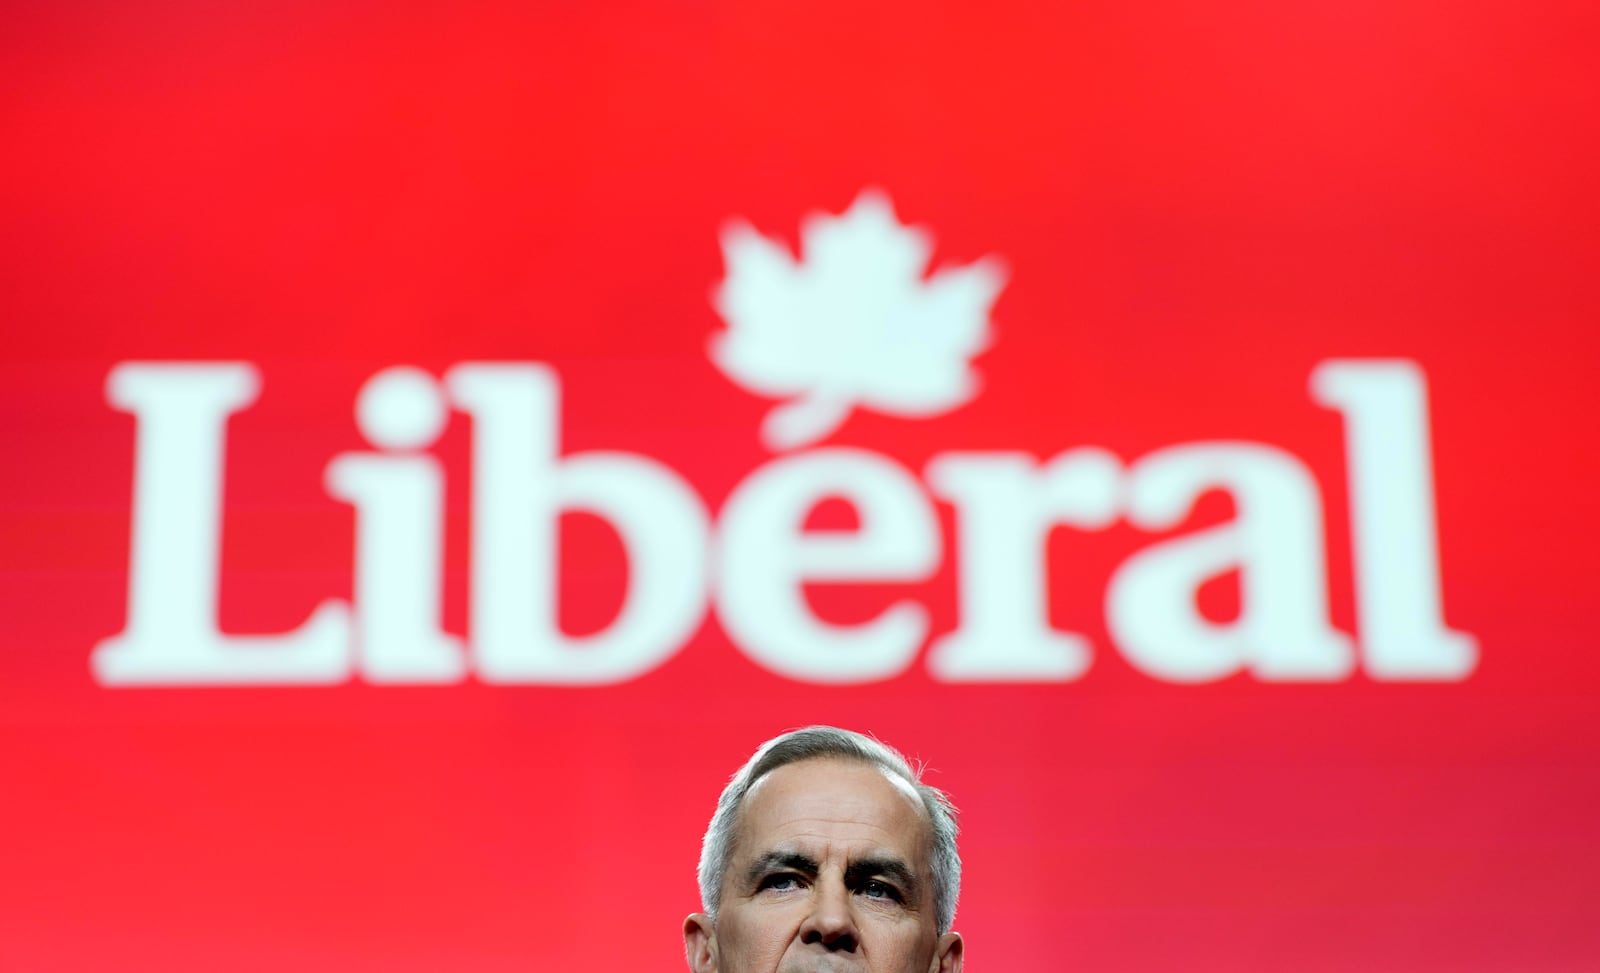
{"x": 1198, "y": 203}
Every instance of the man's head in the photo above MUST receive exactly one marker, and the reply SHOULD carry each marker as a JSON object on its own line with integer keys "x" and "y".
{"x": 827, "y": 853}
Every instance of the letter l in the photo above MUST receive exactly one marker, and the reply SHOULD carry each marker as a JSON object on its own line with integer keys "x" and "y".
{"x": 172, "y": 636}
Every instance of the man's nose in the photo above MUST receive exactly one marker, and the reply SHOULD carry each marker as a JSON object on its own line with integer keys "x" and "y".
{"x": 830, "y": 924}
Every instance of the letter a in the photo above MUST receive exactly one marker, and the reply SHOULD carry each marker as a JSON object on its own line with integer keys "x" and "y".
{"x": 1282, "y": 632}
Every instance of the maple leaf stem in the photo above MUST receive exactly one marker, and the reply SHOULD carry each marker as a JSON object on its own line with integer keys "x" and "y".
{"x": 804, "y": 420}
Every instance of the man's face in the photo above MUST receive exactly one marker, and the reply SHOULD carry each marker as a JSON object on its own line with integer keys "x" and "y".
{"x": 829, "y": 873}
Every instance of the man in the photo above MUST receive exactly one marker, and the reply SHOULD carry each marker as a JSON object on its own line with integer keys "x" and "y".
{"x": 827, "y": 854}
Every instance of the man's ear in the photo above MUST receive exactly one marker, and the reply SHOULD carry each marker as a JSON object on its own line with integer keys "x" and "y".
{"x": 947, "y": 955}
{"x": 700, "y": 943}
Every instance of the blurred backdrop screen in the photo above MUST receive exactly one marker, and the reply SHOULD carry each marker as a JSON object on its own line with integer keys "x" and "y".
{"x": 441, "y": 441}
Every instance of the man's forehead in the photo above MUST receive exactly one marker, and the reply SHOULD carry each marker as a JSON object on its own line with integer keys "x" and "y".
{"x": 836, "y": 767}
{"x": 844, "y": 798}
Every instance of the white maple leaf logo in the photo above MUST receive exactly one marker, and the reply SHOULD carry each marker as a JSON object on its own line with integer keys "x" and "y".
{"x": 853, "y": 323}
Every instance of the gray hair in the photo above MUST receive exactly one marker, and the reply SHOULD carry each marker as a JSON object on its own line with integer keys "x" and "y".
{"x": 815, "y": 742}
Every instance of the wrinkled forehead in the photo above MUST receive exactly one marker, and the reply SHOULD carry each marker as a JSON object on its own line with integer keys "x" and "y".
{"x": 883, "y": 797}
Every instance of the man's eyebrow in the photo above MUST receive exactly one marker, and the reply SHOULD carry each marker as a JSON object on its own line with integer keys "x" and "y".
{"x": 777, "y": 861}
{"x": 887, "y": 867}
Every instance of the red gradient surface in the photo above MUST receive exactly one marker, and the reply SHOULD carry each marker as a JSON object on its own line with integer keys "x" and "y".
{"x": 1197, "y": 203}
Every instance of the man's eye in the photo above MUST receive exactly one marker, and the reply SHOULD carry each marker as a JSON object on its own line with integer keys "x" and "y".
{"x": 880, "y": 890}
{"x": 780, "y": 883}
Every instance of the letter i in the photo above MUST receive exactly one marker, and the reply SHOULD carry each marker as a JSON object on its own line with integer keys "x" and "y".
{"x": 399, "y": 501}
